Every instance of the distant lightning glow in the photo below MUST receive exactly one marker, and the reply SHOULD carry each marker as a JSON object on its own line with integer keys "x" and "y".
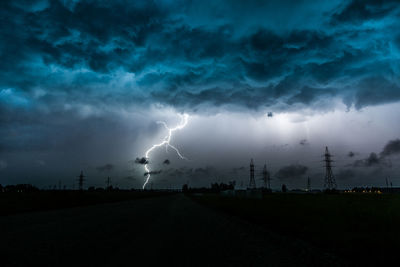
{"x": 166, "y": 142}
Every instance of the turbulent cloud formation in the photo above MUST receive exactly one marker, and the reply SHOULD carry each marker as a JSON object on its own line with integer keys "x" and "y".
{"x": 372, "y": 160}
{"x": 166, "y": 52}
{"x": 391, "y": 148}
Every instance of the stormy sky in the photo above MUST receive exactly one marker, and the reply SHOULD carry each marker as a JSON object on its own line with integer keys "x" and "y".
{"x": 84, "y": 83}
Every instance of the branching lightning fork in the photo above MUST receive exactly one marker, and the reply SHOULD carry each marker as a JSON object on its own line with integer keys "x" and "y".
{"x": 166, "y": 142}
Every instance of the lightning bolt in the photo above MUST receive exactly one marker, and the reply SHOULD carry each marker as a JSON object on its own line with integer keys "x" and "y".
{"x": 166, "y": 142}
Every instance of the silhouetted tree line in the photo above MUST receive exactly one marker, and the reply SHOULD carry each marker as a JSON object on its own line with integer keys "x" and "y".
{"x": 19, "y": 188}
{"x": 27, "y": 188}
{"x": 215, "y": 188}
{"x": 102, "y": 189}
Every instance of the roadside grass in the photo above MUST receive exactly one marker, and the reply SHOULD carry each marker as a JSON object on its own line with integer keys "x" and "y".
{"x": 360, "y": 228}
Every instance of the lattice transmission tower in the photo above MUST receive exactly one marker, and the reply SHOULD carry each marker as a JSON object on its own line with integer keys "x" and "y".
{"x": 81, "y": 180}
{"x": 266, "y": 177}
{"x": 252, "y": 182}
{"x": 330, "y": 182}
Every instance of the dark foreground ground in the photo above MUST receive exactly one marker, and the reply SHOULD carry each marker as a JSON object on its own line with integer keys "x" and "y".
{"x": 170, "y": 230}
{"x": 14, "y": 202}
{"x": 361, "y": 229}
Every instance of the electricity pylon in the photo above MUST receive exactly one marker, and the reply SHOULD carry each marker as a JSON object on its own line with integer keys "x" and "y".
{"x": 330, "y": 182}
{"x": 81, "y": 180}
{"x": 252, "y": 182}
{"x": 266, "y": 177}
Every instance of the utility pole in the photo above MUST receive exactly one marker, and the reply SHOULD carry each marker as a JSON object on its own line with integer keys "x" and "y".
{"x": 252, "y": 182}
{"x": 266, "y": 177}
{"x": 330, "y": 182}
{"x": 308, "y": 184}
{"x": 80, "y": 180}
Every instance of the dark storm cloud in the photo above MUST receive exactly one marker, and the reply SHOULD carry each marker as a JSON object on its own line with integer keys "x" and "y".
{"x": 389, "y": 91}
{"x": 142, "y": 160}
{"x": 359, "y": 11}
{"x": 392, "y": 147}
{"x": 34, "y": 129}
{"x": 106, "y": 167}
{"x": 291, "y": 171}
{"x": 373, "y": 160}
{"x": 381, "y": 160}
{"x": 125, "y": 52}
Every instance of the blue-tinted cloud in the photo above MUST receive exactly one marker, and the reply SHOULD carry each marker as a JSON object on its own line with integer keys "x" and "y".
{"x": 186, "y": 54}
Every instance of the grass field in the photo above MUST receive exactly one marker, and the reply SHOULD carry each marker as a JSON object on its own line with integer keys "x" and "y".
{"x": 13, "y": 202}
{"x": 359, "y": 228}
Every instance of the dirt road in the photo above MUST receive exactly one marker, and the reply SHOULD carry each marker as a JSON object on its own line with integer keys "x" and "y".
{"x": 163, "y": 231}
